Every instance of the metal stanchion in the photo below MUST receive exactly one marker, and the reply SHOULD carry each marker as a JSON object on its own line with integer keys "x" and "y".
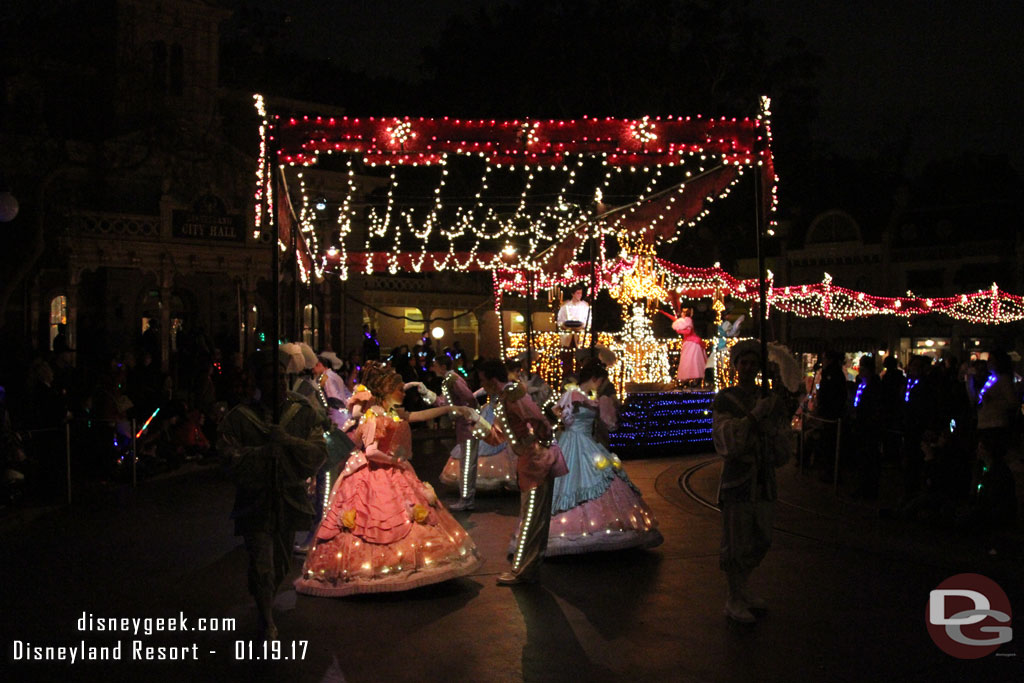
{"x": 67, "y": 456}
{"x": 835, "y": 478}
{"x": 802, "y": 454}
{"x": 135, "y": 453}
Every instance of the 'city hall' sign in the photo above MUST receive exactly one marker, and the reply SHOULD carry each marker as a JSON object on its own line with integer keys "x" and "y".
{"x": 208, "y": 220}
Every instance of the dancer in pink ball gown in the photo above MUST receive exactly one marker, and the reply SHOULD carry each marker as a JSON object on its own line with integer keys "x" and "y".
{"x": 385, "y": 530}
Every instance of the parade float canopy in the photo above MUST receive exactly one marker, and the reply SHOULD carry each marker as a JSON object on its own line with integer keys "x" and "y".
{"x": 521, "y": 198}
{"x": 633, "y": 277}
{"x": 482, "y": 194}
{"x": 639, "y": 277}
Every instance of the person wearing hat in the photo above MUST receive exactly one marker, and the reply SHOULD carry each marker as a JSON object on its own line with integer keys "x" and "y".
{"x": 330, "y": 359}
{"x": 327, "y": 393}
{"x": 573, "y": 317}
{"x": 333, "y": 391}
{"x": 270, "y": 463}
{"x": 691, "y": 351}
{"x": 751, "y": 432}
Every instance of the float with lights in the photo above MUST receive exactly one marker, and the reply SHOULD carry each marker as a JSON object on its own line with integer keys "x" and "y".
{"x": 522, "y": 199}
{"x": 540, "y": 204}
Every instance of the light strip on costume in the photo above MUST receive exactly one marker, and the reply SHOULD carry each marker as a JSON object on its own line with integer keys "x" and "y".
{"x": 860, "y": 391}
{"x": 911, "y": 383}
{"x": 992, "y": 379}
{"x": 525, "y": 530}
{"x": 466, "y": 463}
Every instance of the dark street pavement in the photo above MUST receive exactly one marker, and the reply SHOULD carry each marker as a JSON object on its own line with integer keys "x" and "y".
{"x": 847, "y": 593}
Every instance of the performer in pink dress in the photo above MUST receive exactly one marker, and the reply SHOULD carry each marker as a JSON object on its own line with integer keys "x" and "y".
{"x": 691, "y": 351}
{"x": 385, "y": 530}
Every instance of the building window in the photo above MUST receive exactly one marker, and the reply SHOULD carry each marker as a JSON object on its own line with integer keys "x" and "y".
{"x": 311, "y": 326}
{"x": 58, "y": 315}
{"x": 975, "y": 276}
{"x": 516, "y": 321}
{"x": 464, "y": 322}
{"x": 930, "y": 346}
{"x": 414, "y": 321}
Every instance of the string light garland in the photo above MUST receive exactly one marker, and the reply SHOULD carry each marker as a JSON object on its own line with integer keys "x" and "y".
{"x": 658, "y": 419}
{"x": 548, "y": 158}
{"x": 821, "y": 300}
{"x": 423, "y": 141}
{"x": 827, "y": 300}
{"x": 645, "y": 358}
{"x": 261, "y": 166}
{"x": 541, "y": 228}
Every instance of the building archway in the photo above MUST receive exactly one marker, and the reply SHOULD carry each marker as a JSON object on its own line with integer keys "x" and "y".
{"x": 58, "y": 316}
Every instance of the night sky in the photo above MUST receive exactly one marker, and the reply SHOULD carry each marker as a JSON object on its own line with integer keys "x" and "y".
{"x": 949, "y": 72}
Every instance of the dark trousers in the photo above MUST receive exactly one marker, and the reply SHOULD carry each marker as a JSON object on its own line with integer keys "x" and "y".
{"x": 319, "y": 494}
{"x": 270, "y": 555}
{"x": 869, "y": 465}
{"x": 913, "y": 464}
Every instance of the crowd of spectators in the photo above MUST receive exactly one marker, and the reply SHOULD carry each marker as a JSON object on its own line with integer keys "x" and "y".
{"x": 100, "y": 402}
{"x": 949, "y": 429}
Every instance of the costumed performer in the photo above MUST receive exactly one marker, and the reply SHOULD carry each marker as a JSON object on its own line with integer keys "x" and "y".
{"x": 752, "y": 433}
{"x": 519, "y": 421}
{"x": 270, "y": 464}
{"x": 327, "y": 393}
{"x": 595, "y": 506}
{"x": 455, "y": 392}
{"x": 573, "y": 317}
{"x": 535, "y": 385}
{"x": 691, "y": 350}
{"x": 725, "y": 330}
{"x": 496, "y": 465}
{"x": 384, "y": 530}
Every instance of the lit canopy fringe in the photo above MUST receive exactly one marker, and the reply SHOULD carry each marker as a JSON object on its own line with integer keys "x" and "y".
{"x": 820, "y": 300}
{"x": 453, "y": 194}
{"x": 988, "y": 306}
{"x": 425, "y": 141}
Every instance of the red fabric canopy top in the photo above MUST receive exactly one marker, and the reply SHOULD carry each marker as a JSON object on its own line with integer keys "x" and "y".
{"x": 724, "y": 144}
{"x": 397, "y": 141}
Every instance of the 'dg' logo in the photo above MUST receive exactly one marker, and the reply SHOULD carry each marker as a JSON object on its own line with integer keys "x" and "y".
{"x": 964, "y": 614}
